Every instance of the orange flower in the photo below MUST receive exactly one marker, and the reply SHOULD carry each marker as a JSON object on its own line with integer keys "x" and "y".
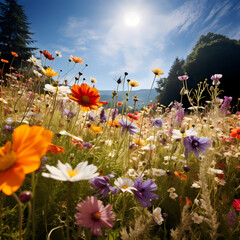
{"x": 119, "y": 103}
{"x": 76, "y": 59}
{"x": 86, "y": 96}
{"x": 188, "y": 201}
{"x": 22, "y": 156}
{"x": 4, "y": 61}
{"x": 14, "y": 54}
{"x": 96, "y": 129}
{"x": 235, "y": 133}
{"x": 114, "y": 123}
{"x": 180, "y": 175}
{"x": 55, "y": 149}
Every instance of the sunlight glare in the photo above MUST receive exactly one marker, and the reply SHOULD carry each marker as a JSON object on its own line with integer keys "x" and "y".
{"x": 131, "y": 19}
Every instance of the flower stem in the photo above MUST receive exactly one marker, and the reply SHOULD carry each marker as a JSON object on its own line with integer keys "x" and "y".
{"x": 20, "y": 215}
{"x": 67, "y": 208}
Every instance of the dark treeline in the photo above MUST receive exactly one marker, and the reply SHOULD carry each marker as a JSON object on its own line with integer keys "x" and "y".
{"x": 213, "y": 53}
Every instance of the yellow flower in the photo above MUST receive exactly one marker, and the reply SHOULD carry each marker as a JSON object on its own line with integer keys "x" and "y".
{"x": 96, "y": 129}
{"x": 139, "y": 142}
{"x": 93, "y": 80}
{"x": 134, "y": 83}
{"x": 49, "y": 72}
{"x": 157, "y": 71}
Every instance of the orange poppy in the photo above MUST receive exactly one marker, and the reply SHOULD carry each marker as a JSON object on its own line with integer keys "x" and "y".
{"x": 4, "y": 61}
{"x": 119, "y": 103}
{"x": 235, "y": 133}
{"x": 86, "y": 96}
{"x": 21, "y": 157}
{"x": 76, "y": 59}
{"x": 55, "y": 149}
{"x": 14, "y": 54}
{"x": 180, "y": 175}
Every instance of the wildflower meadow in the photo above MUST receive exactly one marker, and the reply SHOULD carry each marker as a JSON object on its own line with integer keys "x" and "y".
{"x": 75, "y": 167}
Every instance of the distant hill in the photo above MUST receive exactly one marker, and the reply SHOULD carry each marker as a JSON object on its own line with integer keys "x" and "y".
{"x": 142, "y": 94}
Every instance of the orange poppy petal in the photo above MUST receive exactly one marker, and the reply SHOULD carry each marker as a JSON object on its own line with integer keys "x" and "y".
{"x": 11, "y": 180}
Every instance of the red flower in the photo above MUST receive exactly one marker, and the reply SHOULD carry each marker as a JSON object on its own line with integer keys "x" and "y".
{"x": 235, "y": 132}
{"x": 132, "y": 116}
{"x": 236, "y": 204}
{"x": 104, "y": 102}
{"x": 48, "y": 55}
{"x": 221, "y": 164}
{"x": 55, "y": 149}
{"x": 119, "y": 103}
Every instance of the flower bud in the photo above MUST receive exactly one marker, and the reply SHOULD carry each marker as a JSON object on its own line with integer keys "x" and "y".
{"x": 186, "y": 168}
{"x": 25, "y": 196}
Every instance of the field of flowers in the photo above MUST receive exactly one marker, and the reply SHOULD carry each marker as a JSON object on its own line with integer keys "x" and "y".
{"x": 75, "y": 167}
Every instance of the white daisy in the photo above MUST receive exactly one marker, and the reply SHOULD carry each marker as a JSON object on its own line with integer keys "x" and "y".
{"x": 171, "y": 189}
{"x": 157, "y": 216}
{"x": 35, "y": 61}
{"x": 64, "y": 132}
{"x": 173, "y": 195}
{"x": 158, "y": 172}
{"x": 197, "y": 219}
{"x": 64, "y": 172}
{"x": 176, "y": 134}
{"x": 60, "y": 89}
{"x": 125, "y": 185}
{"x": 38, "y": 74}
{"x": 58, "y": 54}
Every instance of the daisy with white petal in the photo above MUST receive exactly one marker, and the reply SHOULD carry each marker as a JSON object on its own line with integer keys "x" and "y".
{"x": 157, "y": 216}
{"x": 173, "y": 195}
{"x": 158, "y": 172}
{"x": 58, "y": 54}
{"x": 38, "y": 74}
{"x": 125, "y": 185}
{"x": 65, "y": 133}
{"x": 171, "y": 189}
{"x": 60, "y": 90}
{"x": 197, "y": 218}
{"x": 35, "y": 61}
{"x": 177, "y": 134}
{"x": 64, "y": 172}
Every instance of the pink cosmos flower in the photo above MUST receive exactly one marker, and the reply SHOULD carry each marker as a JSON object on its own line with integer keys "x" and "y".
{"x": 182, "y": 78}
{"x": 94, "y": 215}
{"x": 236, "y": 204}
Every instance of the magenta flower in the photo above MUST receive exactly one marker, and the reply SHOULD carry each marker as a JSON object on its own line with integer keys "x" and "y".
{"x": 182, "y": 78}
{"x": 94, "y": 215}
{"x": 236, "y": 204}
{"x": 196, "y": 145}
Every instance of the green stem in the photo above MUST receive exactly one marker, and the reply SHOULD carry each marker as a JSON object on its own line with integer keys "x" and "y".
{"x": 67, "y": 209}
{"x": 28, "y": 219}
{"x": 20, "y": 215}
{"x": 33, "y": 205}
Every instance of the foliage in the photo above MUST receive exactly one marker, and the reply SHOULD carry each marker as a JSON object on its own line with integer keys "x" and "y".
{"x": 14, "y": 31}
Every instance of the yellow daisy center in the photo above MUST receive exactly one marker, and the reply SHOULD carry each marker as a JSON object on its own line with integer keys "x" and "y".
{"x": 72, "y": 173}
{"x": 96, "y": 216}
{"x": 124, "y": 186}
{"x": 157, "y": 215}
{"x": 7, "y": 157}
{"x": 85, "y": 99}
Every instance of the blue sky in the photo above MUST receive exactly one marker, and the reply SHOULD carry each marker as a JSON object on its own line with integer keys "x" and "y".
{"x": 134, "y": 36}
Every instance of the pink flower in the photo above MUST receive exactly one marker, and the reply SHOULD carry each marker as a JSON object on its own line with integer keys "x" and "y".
{"x": 182, "y": 78}
{"x": 94, "y": 215}
{"x": 236, "y": 204}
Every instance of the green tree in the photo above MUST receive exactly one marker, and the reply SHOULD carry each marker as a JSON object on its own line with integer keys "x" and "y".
{"x": 14, "y": 31}
{"x": 170, "y": 87}
{"x": 215, "y": 53}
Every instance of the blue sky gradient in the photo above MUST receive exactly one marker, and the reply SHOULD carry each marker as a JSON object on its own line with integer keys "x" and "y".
{"x": 98, "y": 32}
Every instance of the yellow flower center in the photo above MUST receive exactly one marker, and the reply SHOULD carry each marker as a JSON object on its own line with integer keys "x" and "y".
{"x": 72, "y": 173}
{"x": 96, "y": 216}
{"x": 7, "y": 157}
{"x": 85, "y": 99}
{"x": 124, "y": 186}
{"x": 157, "y": 215}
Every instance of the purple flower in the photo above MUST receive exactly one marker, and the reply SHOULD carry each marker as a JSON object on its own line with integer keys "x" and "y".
{"x": 128, "y": 126}
{"x": 226, "y": 104}
{"x": 154, "y": 107}
{"x": 215, "y": 78}
{"x": 91, "y": 116}
{"x": 143, "y": 193}
{"x": 103, "y": 116}
{"x": 232, "y": 218}
{"x": 157, "y": 122}
{"x": 182, "y": 78}
{"x": 196, "y": 145}
{"x": 179, "y": 116}
{"x": 8, "y": 128}
{"x": 103, "y": 184}
{"x": 87, "y": 145}
{"x": 114, "y": 113}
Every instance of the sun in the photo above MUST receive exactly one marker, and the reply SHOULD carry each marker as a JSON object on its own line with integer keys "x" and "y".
{"x": 131, "y": 19}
